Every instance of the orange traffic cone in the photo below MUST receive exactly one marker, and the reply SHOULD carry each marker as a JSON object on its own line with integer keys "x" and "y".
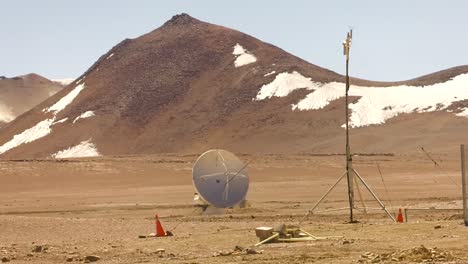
{"x": 159, "y": 229}
{"x": 400, "y": 216}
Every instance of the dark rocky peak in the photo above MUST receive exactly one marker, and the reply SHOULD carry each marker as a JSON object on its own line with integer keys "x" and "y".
{"x": 181, "y": 19}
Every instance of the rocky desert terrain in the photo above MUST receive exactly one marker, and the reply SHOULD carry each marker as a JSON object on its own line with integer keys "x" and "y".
{"x": 58, "y": 211}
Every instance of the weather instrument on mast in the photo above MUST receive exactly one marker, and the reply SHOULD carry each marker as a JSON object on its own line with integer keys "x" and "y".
{"x": 352, "y": 176}
{"x": 220, "y": 178}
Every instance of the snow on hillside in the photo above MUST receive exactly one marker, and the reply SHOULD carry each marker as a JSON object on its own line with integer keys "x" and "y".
{"x": 270, "y": 73}
{"x": 283, "y": 84}
{"x": 376, "y": 104}
{"x": 243, "y": 57}
{"x": 84, "y": 149}
{"x": 61, "y": 121}
{"x": 66, "y": 100}
{"x": 42, "y": 128}
{"x": 84, "y": 115}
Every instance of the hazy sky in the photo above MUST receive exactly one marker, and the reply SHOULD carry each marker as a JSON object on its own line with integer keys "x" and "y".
{"x": 393, "y": 40}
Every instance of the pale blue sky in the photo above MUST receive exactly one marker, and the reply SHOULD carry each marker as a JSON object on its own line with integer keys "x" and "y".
{"x": 393, "y": 40}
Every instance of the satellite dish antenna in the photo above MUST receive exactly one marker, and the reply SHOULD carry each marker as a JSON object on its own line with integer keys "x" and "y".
{"x": 220, "y": 178}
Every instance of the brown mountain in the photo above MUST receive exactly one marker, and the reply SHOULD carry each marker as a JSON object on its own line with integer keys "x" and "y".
{"x": 20, "y": 94}
{"x": 189, "y": 86}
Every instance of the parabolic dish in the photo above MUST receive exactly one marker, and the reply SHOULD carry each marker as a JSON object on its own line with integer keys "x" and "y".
{"x": 220, "y": 178}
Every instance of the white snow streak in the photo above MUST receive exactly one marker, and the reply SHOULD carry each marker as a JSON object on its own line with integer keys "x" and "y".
{"x": 321, "y": 97}
{"x": 283, "y": 84}
{"x": 66, "y": 100}
{"x": 42, "y": 128}
{"x": 243, "y": 57}
{"x": 270, "y": 73}
{"x": 61, "y": 121}
{"x": 84, "y": 149}
{"x": 80, "y": 80}
{"x": 84, "y": 115}
{"x": 376, "y": 104}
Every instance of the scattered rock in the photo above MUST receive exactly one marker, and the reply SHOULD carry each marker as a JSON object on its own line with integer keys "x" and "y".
{"x": 160, "y": 251}
{"x": 38, "y": 249}
{"x": 222, "y": 253}
{"x": 252, "y": 251}
{"x": 5, "y": 259}
{"x": 238, "y": 248}
{"x": 91, "y": 258}
{"x": 141, "y": 236}
{"x": 437, "y": 227}
{"x": 70, "y": 259}
{"x": 415, "y": 254}
{"x": 346, "y": 242}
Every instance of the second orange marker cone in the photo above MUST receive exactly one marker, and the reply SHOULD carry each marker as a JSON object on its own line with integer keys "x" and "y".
{"x": 159, "y": 229}
{"x": 400, "y": 216}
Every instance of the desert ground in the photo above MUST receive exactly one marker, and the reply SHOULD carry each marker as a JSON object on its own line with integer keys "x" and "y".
{"x": 58, "y": 211}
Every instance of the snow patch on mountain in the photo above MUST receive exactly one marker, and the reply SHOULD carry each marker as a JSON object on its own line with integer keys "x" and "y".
{"x": 283, "y": 84}
{"x": 66, "y": 100}
{"x": 42, "y": 128}
{"x": 61, "y": 121}
{"x": 375, "y": 104}
{"x": 270, "y": 73}
{"x": 80, "y": 80}
{"x": 84, "y": 115}
{"x": 323, "y": 94}
{"x": 84, "y": 149}
{"x": 243, "y": 57}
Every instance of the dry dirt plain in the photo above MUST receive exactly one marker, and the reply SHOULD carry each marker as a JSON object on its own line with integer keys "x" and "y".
{"x": 82, "y": 207}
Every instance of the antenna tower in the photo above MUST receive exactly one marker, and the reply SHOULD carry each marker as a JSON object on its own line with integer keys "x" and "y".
{"x": 352, "y": 175}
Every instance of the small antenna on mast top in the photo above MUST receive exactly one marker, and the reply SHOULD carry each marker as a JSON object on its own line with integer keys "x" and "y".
{"x": 347, "y": 43}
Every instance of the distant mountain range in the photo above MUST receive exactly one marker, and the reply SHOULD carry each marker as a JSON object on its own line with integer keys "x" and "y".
{"x": 20, "y": 94}
{"x": 189, "y": 86}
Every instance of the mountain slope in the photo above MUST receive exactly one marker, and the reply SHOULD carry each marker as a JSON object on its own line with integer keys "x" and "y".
{"x": 189, "y": 86}
{"x": 19, "y": 94}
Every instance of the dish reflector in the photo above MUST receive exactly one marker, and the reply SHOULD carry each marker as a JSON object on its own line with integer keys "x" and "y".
{"x": 220, "y": 178}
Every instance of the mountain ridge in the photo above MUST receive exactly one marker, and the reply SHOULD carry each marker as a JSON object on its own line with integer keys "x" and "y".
{"x": 19, "y": 94}
{"x": 190, "y": 85}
